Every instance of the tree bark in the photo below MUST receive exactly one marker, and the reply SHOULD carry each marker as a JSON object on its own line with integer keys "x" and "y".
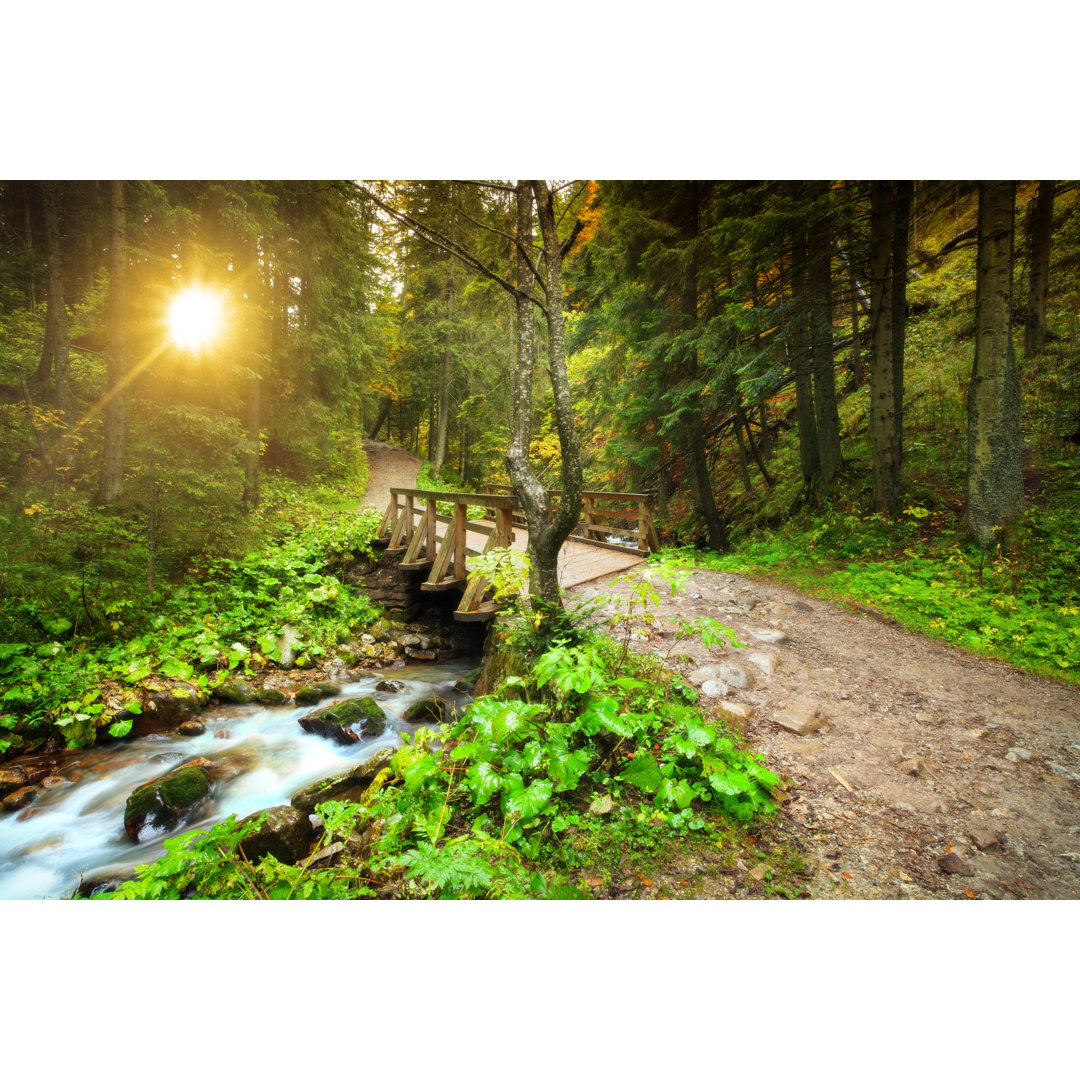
{"x": 568, "y": 513}
{"x": 111, "y": 482}
{"x": 995, "y": 479}
{"x": 741, "y": 419}
{"x": 884, "y": 412}
{"x": 442, "y": 436}
{"x": 809, "y": 453}
{"x": 693, "y": 426}
{"x": 1042, "y": 229}
{"x": 905, "y": 193}
{"x": 384, "y": 414}
{"x": 827, "y": 417}
{"x": 249, "y": 283}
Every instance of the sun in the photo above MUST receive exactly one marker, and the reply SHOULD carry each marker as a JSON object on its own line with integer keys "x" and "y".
{"x": 195, "y": 319}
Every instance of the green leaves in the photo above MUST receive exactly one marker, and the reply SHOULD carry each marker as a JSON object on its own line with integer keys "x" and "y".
{"x": 643, "y": 772}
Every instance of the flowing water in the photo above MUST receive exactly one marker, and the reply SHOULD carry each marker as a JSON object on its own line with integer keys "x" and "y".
{"x": 75, "y": 831}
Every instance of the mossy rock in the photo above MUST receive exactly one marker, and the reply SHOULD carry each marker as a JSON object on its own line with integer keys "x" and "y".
{"x": 235, "y": 692}
{"x": 286, "y": 833}
{"x": 429, "y": 710}
{"x": 269, "y": 696}
{"x": 390, "y": 686}
{"x": 164, "y": 804}
{"x": 316, "y": 691}
{"x": 467, "y": 683}
{"x": 346, "y": 787}
{"x": 336, "y": 721}
{"x": 304, "y": 661}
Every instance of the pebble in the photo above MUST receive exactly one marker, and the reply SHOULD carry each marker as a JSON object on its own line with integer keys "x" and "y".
{"x": 953, "y": 864}
{"x": 1069, "y": 774}
{"x": 1017, "y": 753}
{"x": 984, "y": 839}
{"x": 919, "y": 767}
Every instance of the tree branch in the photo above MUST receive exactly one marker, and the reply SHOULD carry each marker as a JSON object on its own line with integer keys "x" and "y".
{"x": 444, "y": 243}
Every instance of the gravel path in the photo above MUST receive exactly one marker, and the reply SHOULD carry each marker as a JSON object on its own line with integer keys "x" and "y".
{"x": 389, "y": 467}
{"x": 921, "y": 771}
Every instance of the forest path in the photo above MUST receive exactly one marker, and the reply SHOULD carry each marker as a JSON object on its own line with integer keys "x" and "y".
{"x": 388, "y": 467}
{"x": 934, "y": 773}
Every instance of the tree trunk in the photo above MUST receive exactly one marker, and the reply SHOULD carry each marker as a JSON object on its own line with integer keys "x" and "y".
{"x": 809, "y": 454}
{"x": 249, "y": 282}
{"x": 995, "y": 479}
{"x": 439, "y": 457}
{"x": 693, "y": 426}
{"x": 827, "y": 417}
{"x": 382, "y": 418}
{"x": 904, "y": 199}
{"x": 533, "y": 496}
{"x": 554, "y": 527}
{"x": 741, "y": 419}
{"x": 111, "y": 483}
{"x": 1042, "y": 229}
{"x": 884, "y": 413}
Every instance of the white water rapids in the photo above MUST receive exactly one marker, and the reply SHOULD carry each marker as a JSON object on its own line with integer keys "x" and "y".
{"x": 76, "y": 831}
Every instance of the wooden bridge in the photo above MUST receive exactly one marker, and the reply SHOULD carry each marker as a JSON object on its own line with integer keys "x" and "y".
{"x": 432, "y": 531}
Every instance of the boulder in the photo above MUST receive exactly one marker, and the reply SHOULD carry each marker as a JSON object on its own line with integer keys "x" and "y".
{"x": 169, "y": 801}
{"x": 21, "y": 797}
{"x": 316, "y": 691}
{"x": 235, "y": 692}
{"x": 285, "y": 833}
{"x": 467, "y": 683}
{"x": 390, "y": 686}
{"x": 336, "y": 721}
{"x": 346, "y": 787}
{"x": 192, "y": 728}
{"x": 736, "y": 676}
{"x": 268, "y": 695}
{"x": 166, "y": 710}
{"x": 425, "y": 655}
{"x": 11, "y": 780}
{"x": 287, "y": 641}
{"x": 429, "y": 710}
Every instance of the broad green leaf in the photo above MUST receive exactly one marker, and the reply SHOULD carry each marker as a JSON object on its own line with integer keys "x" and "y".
{"x": 482, "y": 781}
{"x": 642, "y": 772}
{"x": 527, "y": 802}
{"x": 566, "y": 769}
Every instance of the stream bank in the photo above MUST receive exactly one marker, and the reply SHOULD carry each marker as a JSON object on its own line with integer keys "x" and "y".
{"x": 72, "y": 835}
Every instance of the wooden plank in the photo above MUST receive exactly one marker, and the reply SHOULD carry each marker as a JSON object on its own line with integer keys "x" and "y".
{"x": 495, "y": 502}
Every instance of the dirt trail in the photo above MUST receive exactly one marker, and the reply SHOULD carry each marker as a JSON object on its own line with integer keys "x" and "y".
{"x": 389, "y": 467}
{"x": 924, "y": 771}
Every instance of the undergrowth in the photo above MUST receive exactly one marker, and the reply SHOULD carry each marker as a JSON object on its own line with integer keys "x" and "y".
{"x": 561, "y": 773}
{"x": 226, "y": 615}
{"x": 1020, "y": 604}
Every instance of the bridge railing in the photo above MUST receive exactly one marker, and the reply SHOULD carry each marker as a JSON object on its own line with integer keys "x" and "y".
{"x": 416, "y": 526}
{"x": 610, "y": 513}
{"x": 411, "y": 525}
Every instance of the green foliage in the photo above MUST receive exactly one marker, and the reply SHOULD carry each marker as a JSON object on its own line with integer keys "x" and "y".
{"x": 477, "y": 809}
{"x": 1019, "y": 604}
{"x": 226, "y": 616}
{"x": 208, "y": 864}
